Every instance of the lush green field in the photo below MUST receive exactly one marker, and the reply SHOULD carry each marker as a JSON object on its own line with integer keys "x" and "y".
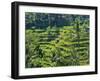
{"x": 52, "y": 46}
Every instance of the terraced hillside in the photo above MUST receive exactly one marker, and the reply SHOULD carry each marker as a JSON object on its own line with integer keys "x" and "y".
{"x": 51, "y": 47}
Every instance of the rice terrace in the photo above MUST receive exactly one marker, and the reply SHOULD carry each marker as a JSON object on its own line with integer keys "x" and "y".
{"x": 55, "y": 40}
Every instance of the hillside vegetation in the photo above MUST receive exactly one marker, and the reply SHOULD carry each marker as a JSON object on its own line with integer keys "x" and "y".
{"x": 50, "y": 44}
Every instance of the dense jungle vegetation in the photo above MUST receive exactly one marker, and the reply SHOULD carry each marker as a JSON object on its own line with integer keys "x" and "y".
{"x": 53, "y": 40}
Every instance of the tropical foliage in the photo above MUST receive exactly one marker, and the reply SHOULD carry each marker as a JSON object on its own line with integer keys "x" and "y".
{"x": 56, "y": 40}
